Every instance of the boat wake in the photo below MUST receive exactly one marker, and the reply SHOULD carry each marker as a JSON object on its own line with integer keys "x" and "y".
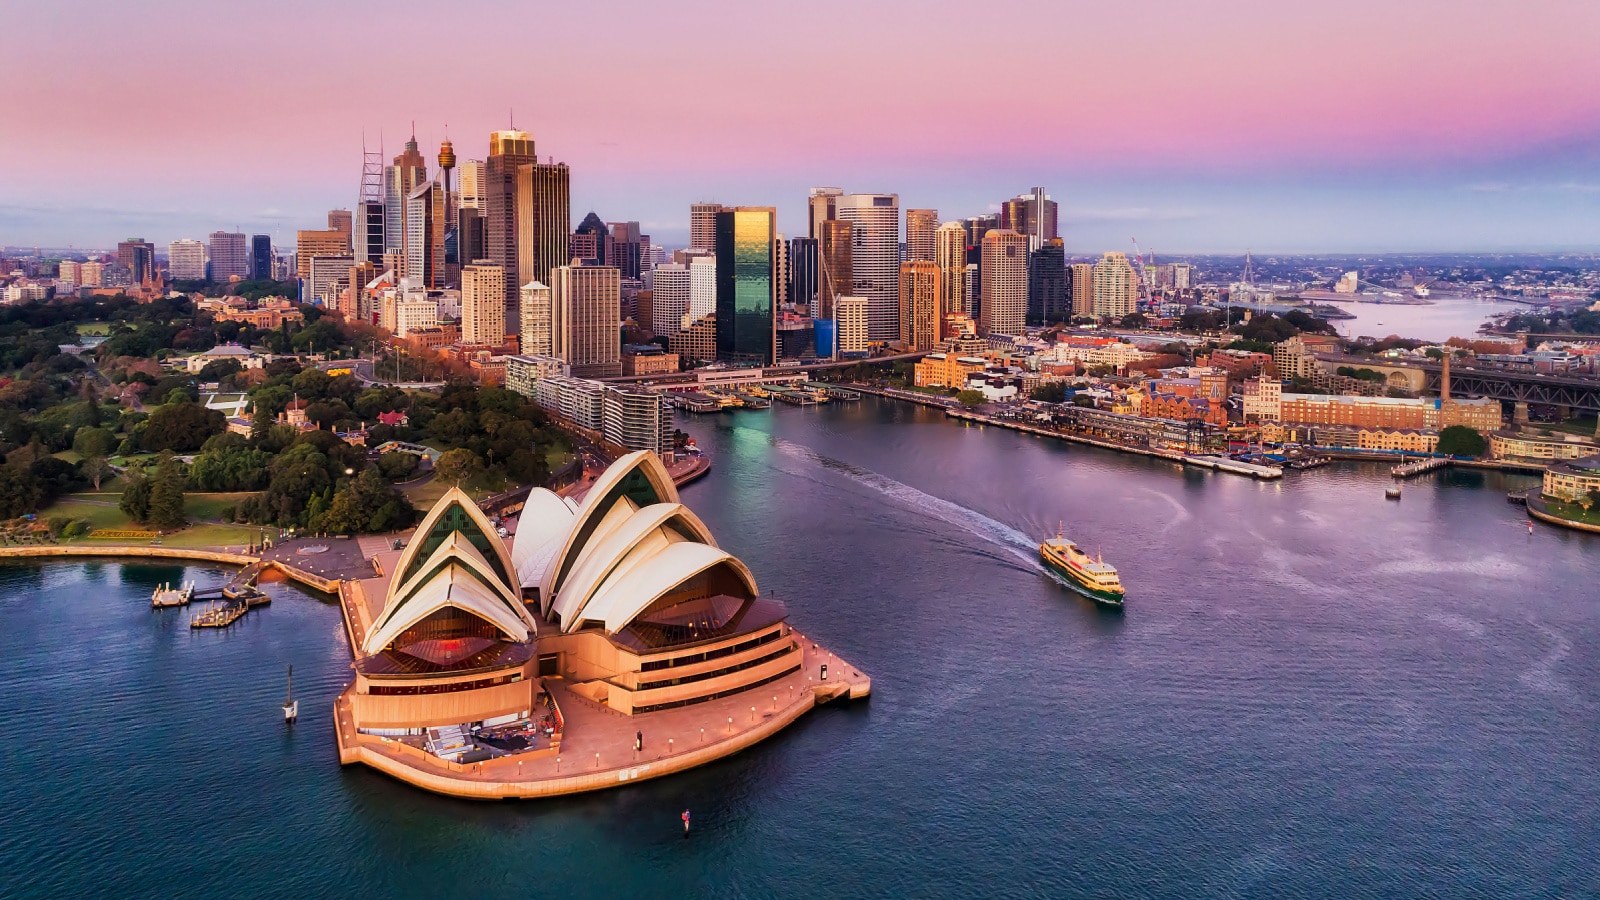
{"x": 1014, "y": 542}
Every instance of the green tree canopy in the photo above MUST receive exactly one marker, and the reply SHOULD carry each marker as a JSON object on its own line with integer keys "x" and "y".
{"x": 1461, "y": 440}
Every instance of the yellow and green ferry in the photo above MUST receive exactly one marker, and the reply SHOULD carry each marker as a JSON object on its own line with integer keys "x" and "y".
{"x": 1090, "y": 575}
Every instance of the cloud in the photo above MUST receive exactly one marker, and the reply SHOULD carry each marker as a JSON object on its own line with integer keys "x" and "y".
{"x": 1579, "y": 188}
{"x": 1139, "y": 214}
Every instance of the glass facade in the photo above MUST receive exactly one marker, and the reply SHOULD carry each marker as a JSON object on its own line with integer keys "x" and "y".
{"x": 746, "y": 313}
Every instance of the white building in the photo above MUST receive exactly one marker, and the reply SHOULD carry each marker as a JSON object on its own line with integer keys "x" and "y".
{"x": 851, "y": 322}
{"x": 702, "y": 287}
{"x": 186, "y": 260}
{"x": 875, "y": 259}
{"x": 534, "y": 310}
{"x": 669, "y": 299}
{"x": 1116, "y": 286}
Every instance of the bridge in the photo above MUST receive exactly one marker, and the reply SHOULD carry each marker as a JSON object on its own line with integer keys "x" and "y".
{"x": 1518, "y": 387}
{"x": 692, "y": 377}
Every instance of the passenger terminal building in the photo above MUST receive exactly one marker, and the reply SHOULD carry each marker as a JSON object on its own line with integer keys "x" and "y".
{"x": 481, "y": 669}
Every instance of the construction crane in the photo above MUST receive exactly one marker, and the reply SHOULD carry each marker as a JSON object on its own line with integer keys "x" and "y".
{"x": 1147, "y": 302}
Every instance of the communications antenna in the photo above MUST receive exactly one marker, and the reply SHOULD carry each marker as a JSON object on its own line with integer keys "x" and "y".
{"x": 371, "y": 172}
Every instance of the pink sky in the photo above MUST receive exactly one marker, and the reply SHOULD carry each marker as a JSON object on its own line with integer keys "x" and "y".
{"x": 175, "y": 116}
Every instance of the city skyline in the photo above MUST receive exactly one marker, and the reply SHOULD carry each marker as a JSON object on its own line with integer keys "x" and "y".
{"x": 1451, "y": 127}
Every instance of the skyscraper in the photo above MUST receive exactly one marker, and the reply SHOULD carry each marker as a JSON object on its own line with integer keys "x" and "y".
{"x": 835, "y": 276}
{"x": 260, "y": 256}
{"x": 472, "y": 185}
{"x": 920, "y": 227}
{"x": 747, "y": 285}
{"x": 369, "y": 230}
{"x": 875, "y": 258}
{"x": 138, "y": 257}
{"x": 342, "y": 220}
{"x": 1047, "y": 284}
{"x": 425, "y": 237}
{"x": 587, "y": 319}
{"x": 950, "y": 254}
{"x": 627, "y": 247}
{"x": 1032, "y": 214}
{"x": 1116, "y": 290}
{"x": 702, "y": 287}
{"x": 803, "y": 273}
{"x": 591, "y": 242}
{"x": 229, "y": 256}
{"x": 502, "y": 183}
{"x": 1004, "y": 275}
{"x": 534, "y": 304}
{"x": 309, "y": 245}
{"x": 543, "y": 221}
{"x": 821, "y": 206}
{"x": 186, "y": 260}
{"x": 780, "y": 264}
{"x": 919, "y": 303}
{"x": 703, "y": 225}
{"x": 483, "y": 303}
{"x": 669, "y": 299}
{"x": 1080, "y": 281}
{"x": 400, "y": 180}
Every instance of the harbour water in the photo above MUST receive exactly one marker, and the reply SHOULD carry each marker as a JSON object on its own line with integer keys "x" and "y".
{"x": 1313, "y": 692}
{"x": 1444, "y": 318}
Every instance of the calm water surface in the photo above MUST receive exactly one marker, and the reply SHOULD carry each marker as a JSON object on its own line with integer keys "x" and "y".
{"x": 1314, "y": 693}
{"x": 1445, "y": 318}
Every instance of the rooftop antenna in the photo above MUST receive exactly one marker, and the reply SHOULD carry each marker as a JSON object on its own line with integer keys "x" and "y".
{"x": 510, "y": 110}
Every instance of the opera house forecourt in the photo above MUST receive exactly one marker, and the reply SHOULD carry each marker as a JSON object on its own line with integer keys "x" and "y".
{"x": 612, "y": 640}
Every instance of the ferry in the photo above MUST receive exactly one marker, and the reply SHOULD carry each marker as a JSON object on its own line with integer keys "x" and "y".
{"x": 1090, "y": 575}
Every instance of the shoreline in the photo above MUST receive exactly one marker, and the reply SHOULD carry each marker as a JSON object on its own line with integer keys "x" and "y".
{"x": 191, "y": 554}
{"x": 1535, "y": 510}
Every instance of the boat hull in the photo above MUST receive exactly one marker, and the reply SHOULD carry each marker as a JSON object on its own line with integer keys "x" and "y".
{"x": 1098, "y": 595}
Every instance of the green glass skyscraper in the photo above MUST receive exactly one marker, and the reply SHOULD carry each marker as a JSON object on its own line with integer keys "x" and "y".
{"x": 746, "y": 285}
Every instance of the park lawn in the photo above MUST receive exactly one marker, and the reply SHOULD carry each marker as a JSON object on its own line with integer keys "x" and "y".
{"x": 97, "y": 329}
{"x": 556, "y": 457}
{"x": 101, "y": 512}
{"x": 71, "y": 456}
{"x": 1573, "y": 511}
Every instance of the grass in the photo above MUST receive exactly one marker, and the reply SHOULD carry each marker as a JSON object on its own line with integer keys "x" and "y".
{"x": 98, "y": 329}
{"x": 1572, "y": 511}
{"x": 101, "y": 512}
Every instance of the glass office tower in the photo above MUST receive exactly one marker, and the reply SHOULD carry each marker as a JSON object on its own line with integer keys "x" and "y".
{"x": 746, "y": 285}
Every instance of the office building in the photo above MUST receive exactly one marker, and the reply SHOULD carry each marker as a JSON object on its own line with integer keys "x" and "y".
{"x": 669, "y": 299}
{"x": 875, "y": 258}
{"x": 950, "y": 255}
{"x": 400, "y": 180}
{"x": 1047, "y": 284}
{"x": 1004, "y": 275}
{"x": 535, "y": 308}
{"x": 626, "y": 250}
{"x": 425, "y": 236}
{"x": 543, "y": 222}
{"x": 230, "y": 257}
{"x": 780, "y": 265}
{"x": 1032, "y": 214}
{"x": 186, "y": 261}
{"x": 483, "y": 304}
{"x": 587, "y": 319}
{"x": 702, "y": 286}
{"x": 138, "y": 257}
{"x": 67, "y": 275}
{"x": 1116, "y": 287}
{"x": 919, "y": 304}
{"x": 821, "y": 206}
{"x": 91, "y": 274}
{"x": 803, "y": 273}
{"x": 1080, "y": 282}
{"x": 472, "y": 182}
{"x": 696, "y": 344}
{"x": 309, "y": 245}
{"x": 921, "y": 225}
{"x": 342, "y": 220}
{"x": 834, "y": 271}
{"x": 261, "y": 256}
{"x": 703, "y": 226}
{"x": 355, "y": 302}
{"x": 368, "y": 238}
{"x": 505, "y": 189}
{"x": 851, "y": 325}
{"x": 591, "y": 243}
{"x": 971, "y": 286}
{"x": 326, "y": 276}
{"x": 746, "y": 237}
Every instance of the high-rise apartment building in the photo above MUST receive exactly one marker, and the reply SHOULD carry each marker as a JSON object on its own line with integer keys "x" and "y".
{"x": 260, "y": 256}
{"x": 746, "y": 238}
{"x": 587, "y": 320}
{"x": 483, "y": 303}
{"x": 875, "y": 258}
{"x": 1116, "y": 287}
{"x": 1004, "y": 275}
{"x": 1080, "y": 282}
{"x": 669, "y": 299}
{"x": 505, "y": 188}
{"x": 91, "y": 274}
{"x": 835, "y": 276}
{"x": 919, "y": 303}
{"x": 138, "y": 256}
{"x": 425, "y": 236}
{"x": 535, "y": 308}
{"x": 703, "y": 225}
{"x": 971, "y": 287}
{"x": 309, "y": 245}
{"x": 67, "y": 275}
{"x": 1047, "y": 284}
{"x": 851, "y": 313}
{"x": 950, "y": 255}
{"x": 186, "y": 260}
{"x": 230, "y": 256}
{"x": 1032, "y": 214}
{"x": 543, "y": 221}
{"x": 921, "y": 225}
{"x": 702, "y": 287}
{"x": 821, "y": 206}
{"x": 803, "y": 273}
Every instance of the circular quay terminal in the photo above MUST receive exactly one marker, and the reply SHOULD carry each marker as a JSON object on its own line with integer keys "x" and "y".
{"x": 609, "y": 639}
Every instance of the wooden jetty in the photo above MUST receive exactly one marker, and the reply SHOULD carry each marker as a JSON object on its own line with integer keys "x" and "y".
{"x": 1418, "y": 466}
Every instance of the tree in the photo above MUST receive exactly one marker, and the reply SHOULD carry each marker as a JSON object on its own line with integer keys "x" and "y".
{"x": 970, "y": 398}
{"x": 456, "y": 466}
{"x": 397, "y": 466}
{"x": 135, "y": 502}
{"x": 166, "y": 496}
{"x": 95, "y": 468}
{"x": 181, "y": 426}
{"x": 1461, "y": 440}
{"x": 1050, "y": 392}
{"x": 94, "y": 442}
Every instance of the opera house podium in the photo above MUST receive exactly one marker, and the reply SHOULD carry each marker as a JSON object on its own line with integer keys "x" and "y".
{"x": 535, "y": 669}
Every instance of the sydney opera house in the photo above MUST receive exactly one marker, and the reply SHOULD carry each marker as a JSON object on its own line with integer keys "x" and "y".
{"x": 613, "y": 639}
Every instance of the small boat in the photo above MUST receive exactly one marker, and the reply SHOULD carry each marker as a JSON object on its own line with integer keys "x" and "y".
{"x": 1393, "y": 493}
{"x": 291, "y": 706}
{"x": 1089, "y": 575}
{"x": 165, "y": 595}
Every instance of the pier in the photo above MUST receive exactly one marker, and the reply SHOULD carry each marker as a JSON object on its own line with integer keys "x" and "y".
{"x": 1419, "y": 466}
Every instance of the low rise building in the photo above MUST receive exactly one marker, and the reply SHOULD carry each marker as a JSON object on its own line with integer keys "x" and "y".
{"x": 1512, "y": 445}
{"x": 524, "y": 372}
{"x": 946, "y": 370}
{"x": 648, "y": 359}
{"x": 1406, "y": 440}
{"x": 1571, "y": 481}
{"x": 1263, "y": 400}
